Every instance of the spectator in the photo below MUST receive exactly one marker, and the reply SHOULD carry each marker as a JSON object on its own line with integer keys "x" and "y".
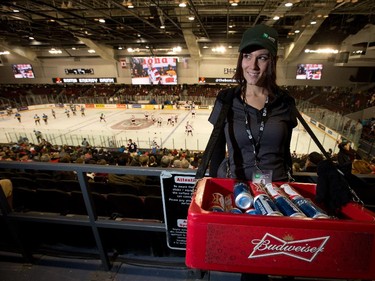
{"x": 345, "y": 156}
{"x": 132, "y": 146}
{"x": 312, "y": 161}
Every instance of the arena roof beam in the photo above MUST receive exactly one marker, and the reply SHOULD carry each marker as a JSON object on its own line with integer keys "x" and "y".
{"x": 104, "y": 52}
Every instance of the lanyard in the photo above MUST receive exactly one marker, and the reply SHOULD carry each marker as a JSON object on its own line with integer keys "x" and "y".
{"x": 255, "y": 144}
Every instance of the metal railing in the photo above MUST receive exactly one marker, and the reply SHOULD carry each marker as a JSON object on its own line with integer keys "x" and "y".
{"x": 93, "y": 221}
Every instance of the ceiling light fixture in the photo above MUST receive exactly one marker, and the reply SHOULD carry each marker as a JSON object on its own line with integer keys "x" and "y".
{"x": 91, "y": 51}
{"x": 128, "y": 4}
{"x": 288, "y": 4}
{"x": 191, "y": 17}
{"x": 276, "y": 18}
{"x": 55, "y": 51}
{"x": 5, "y": 53}
{"x": 182, "y": 5}
{"x": 234, "y": 3}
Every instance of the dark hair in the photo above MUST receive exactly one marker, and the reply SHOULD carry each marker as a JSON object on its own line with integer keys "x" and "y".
{"x": 270, "y": 79}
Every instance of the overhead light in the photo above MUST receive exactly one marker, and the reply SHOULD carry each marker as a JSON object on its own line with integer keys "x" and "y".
{"x": 276, "y": 18}
{"x": 16, "y": 11}
{"x": 288, "y": 4}
{"x": 162, "y": 26}
{"x": 177, "y": 49}
{"x": 220, "y": 49}
{"x": 191, "y": 18}
{"x": 31, "y": 38}
{"x": 313, "y": 22}
{"x": 102, "y": 20}
{"x": 120, "y": 48}
{"x": 234, "y": 3}
{"x": 128, "y": 4}
{"x": 91, "y": 51}
{"x": 5, "y": 53}
{"x": 297, "y": 31}
{"x": 322, "y": 51}
{"x": 55, "y": 51}
{"x": 182, "y": 4}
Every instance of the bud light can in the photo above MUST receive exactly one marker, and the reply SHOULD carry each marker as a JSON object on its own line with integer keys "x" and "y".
{"x": 235, "y": 210}
{"x": 283, "y": 203}
{"x": 309, "y": 208}
{"x": 264, "y": 205}
{"x": 242, "y": 196}
{"x": 217, "y": 202}
{"x": 305, "y": 205}
{"x": 251, "y": 211}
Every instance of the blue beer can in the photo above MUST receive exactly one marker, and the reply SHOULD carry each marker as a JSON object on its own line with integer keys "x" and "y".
{"x": 251, "y": 211}
{"x": 264, "y": 205}
{"x": 235, "y": 211}
{"x": 242, "y": 196}
{"x": 287, "y": 207}
{"x": 309, "y": 208}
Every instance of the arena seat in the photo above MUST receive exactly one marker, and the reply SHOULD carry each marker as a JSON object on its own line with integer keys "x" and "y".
{"x": 52, "y": 200}
{"x": 149, "y": 190}
{"x": 77, "y": 204}
{"x": 69, "y": 185}
{"x": 46, "y": 183}
{"x": 154, "y": 208}
{"x": 99, "y": 187}
{"x": 125, "y": 205}
{"x": 123, "y": 188}
{"x": 23, "y": 199}
{"x": 23, "y": 182}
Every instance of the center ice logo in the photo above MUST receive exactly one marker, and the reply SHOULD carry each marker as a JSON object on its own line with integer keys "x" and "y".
{"x": 305, "y": 249}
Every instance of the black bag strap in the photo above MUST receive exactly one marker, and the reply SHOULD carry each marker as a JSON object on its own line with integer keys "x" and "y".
{"x": 311, "y": 133}
{"x": 216, "y": 132}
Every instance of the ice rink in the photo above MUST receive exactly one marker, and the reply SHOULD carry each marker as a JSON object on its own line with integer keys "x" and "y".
{"x": 118, "y": 128}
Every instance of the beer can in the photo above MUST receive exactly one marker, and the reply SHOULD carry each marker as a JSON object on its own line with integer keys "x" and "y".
{"x": 283, "y": 203}
{"x": 309, "y": 208}
{"x": 242, "y": 196}
{"x": 229, "y": 202}
{"x": 217, "y": 203}
{"x": 264, "y": 205}
{"x": 257, "y": 189}
{"x": 287, "y": 207}
{"x": 289, "y": 191}
{"x": 251, "y": 211}
{"x": 235, "y": 210}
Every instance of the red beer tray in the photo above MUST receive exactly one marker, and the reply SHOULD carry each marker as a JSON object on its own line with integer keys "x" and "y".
{"x": 282, "y": 246}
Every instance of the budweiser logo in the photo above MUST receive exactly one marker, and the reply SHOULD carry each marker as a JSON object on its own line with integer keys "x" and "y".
{"x": 270, "y": 245}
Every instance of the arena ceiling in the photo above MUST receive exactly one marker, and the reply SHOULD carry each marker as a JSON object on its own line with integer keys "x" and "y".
{"x": 33, "y": 27}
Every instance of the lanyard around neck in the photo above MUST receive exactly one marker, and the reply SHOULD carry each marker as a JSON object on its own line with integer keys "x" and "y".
{"x": 255, "y": 144}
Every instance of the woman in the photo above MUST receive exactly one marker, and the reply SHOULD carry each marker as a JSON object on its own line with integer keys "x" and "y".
{"x": 259, "y": 123}
{"x": 260, "y": 120}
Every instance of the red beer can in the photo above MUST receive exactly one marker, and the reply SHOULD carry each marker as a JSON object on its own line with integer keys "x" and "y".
{"x": 217, "y": 203}
{"x": 257, "y": 189}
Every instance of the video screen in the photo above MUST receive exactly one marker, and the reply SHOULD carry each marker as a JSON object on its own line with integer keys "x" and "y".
{"x": 309, "y": 71}
{"x": 153, "y": 70}
{"x": 23, "y": 71}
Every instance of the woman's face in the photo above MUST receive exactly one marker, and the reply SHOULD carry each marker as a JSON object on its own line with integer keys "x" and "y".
{"x": 255, "y": 65}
